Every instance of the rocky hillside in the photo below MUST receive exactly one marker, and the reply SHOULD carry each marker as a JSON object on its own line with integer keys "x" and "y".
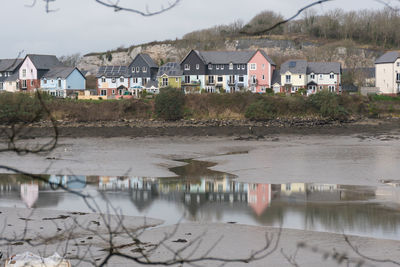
{"x": 280, "y": 48}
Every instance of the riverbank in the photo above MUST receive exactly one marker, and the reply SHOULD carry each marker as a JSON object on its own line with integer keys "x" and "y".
{"x": 89, "y": 243}
{"x": 190, "y": 128}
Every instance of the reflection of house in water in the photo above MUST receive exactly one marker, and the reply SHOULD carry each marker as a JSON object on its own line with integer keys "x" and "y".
{"x": 68, "y": 181}
{"x": 310, "y": 192}
{"x": 29, "y": 194}
{"x": 259, "y": 197}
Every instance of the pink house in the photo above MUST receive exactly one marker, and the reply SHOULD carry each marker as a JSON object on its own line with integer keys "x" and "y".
{"x": 260, "y": 70}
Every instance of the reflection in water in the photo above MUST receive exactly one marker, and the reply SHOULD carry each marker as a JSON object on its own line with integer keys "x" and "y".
{"x": 200, "y": 194}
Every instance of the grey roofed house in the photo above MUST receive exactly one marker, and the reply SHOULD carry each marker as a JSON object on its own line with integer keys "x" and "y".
{"x": 10, "y": 65}
{"x": 294, "y": 66}
{"x": 388, "y": 57}
{"x": 152, "y": 83}
{"x": 226, "y": 57}
{"x": 44, "y": 62}
{"x": 323, "y": 67}
{"x": 170, "y": 69}
{"x": 60, "y": 72}
{"x": 276, "y": 77}
{"x": 12, "y": 78}
{"x": 149, "y": 60}
{"x": 113, "y": 72}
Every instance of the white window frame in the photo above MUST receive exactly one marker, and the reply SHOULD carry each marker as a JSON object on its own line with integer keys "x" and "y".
{"x": 187, "y": 79}
{"x": 238, "y": 66}
{"x": 133, "y": 70}
{"x": 187, "y": 67}
{"x": 243, "y": 66}
{"x": 211, "y": 79}
{"x": 263, "y": 77}
{"x": 197, "y": 66}
{"x": 24, "y": 73}
{"x": 217, "y": 67}
{"x": 137, "y": 69}
{"x": 165, "y": 81}
{"x": 210, "y": 66}
{"x": 122, "y": 79}
{"x": 312, "y": 76}
{"x": 253, "y": 66}
{"x": 288, "y": 78}
{"x": 113, "y": 80}
{"x": 231, "y": 66}
{"x": 241, "y": 79}
{"x": 222, "y": 67}
{"x": 103, "y": 79}
{"x": 222, "y": 79}
{"x": 144, "y": 69}
{"x": 332, "y": 76}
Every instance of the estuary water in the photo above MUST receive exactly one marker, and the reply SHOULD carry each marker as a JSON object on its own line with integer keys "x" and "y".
{"x": 198, "y": 194}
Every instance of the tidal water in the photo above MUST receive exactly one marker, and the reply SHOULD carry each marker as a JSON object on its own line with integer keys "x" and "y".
{"x": 198, "y": 194}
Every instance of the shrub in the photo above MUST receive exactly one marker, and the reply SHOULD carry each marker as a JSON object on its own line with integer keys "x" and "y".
{"x": 169, "y": 104}
{"x": 327, "y": 104}
{"x": 21, "y": 107}
{"x": 261, "y": 110}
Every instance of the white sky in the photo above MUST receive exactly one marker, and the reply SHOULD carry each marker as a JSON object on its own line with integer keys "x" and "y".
{"x": 83, "y": 26}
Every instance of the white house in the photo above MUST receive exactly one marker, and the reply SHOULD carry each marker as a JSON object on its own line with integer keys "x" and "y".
{"x": 387, "y": 73}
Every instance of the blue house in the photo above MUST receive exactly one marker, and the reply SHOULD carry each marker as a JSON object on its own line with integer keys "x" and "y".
{"x": 62, "y": 81}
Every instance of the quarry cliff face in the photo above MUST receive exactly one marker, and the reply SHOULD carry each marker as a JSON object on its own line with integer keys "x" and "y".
{"x": 279, "y": 50}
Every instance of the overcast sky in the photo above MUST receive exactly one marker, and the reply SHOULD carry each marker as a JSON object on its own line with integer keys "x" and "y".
{"x": 83, "y": 26}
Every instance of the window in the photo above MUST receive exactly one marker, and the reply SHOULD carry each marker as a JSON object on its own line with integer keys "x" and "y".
{"x": 220, "y": 79}
{"x": 197, "y": 66}
{"x": 253, "y": 79}
{"x": 31, "y": 82}
{"x": 133, "y": 70}
{"x": 398, "y": 64}
{"x": 211, "y": 79}
{"x": 320, "y": 76}
{"x": 253, "y": 66}
{"x": 113, "y": 91}
{"x": 222, "y": 67}
{"x": 135, "y": 80}
{"x": 164, "y": 81}
{"x": 288, "y": 79}
{"x": 1, "y": 86}
{"x": 121, "y": 79}
{"x": 144, "y": 69}
{"x": 103, "y": 92}
{"x": 176, "y": 79}
{"x": 231, "y": 79}
{"x": 59, "y": 83}
{"x": 187, "y": 67}
{"x": 332, "y": 76}
{"x": 312, "y": 76}
{"x": 241, "y": 79}
{"x": 187, "y": 79}
{"x": 263, "y": 66}
{"x": 299, "y": 76}
{"x": 263, "y": 77}
{"x": 113, "y": 80}
{"x": 238, "y": 66}
{"x": 31, "y": 70}
{"x": 197, "y": 77}
{"x": 103, "y": 79}
{"x": 231, "y": 66}
{"x": 398, "y": 77}
{"x": 243, "y": 66}
{"x": 24, "y": 73}
{"x": 331, "y": 88}
{"x": 217, "y": 67}
{"x": 45, "y": 81}
{"x": 137, "y": 69}
{"x": 210, "y": 66}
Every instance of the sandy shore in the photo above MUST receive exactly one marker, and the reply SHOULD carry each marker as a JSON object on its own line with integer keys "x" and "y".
{"x": 91, "y": 241}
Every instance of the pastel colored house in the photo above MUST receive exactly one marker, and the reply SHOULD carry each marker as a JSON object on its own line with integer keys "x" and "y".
{"x": 112, "y": 81}
{"x": 62, "y": 81}
{"x": 143, "y": 71}
{"x": 170, "y": 75}
{"x": 311, "y": 76}
{"x": 323, "y": 76}
{"x": 194, "y": 68}
{"x": 9, "y": 74}
{"x": 33, "y": 69}
{"x": 387, "y": 68}
{"x": 260, "y": 71}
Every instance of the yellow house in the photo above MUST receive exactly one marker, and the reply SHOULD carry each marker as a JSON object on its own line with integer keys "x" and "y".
{"x": 294, "y": 75}
{"x": 170, "y": 75}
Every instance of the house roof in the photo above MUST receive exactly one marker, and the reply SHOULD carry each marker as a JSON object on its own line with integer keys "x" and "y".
{"x": 294, "y": 66}
{"x": 170, "y": 69}
{"x": 12, "y": 78}
{"x": 149, "y": 60}
{"x": 226, "y": 57}
{"x": 58, "y": 72}
{"x": 112, "y": 71}
{"x": 152, "y": 83}
{"x": 10, "y": 64}
{"x": 44, "y": 62}
{"x": 388, "y": 57}
{"x": 323, "y": 67}
{"x": 276, "y": 77}
{"x": 267, "y": 57}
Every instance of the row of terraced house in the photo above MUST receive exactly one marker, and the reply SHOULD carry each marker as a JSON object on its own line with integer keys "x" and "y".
{"x": 40, "y": 72}
{"x": 218, "y": 71}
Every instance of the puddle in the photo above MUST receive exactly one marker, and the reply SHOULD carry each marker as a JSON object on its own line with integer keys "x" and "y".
{"x": 203, "y": 195}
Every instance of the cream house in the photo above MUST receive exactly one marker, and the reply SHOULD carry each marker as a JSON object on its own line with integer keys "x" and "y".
{"x": 387, "y": 73}
{"x": 293, "y": 75}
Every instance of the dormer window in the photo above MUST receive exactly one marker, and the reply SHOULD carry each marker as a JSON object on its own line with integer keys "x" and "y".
{"x": 332, "y": 75}
{"x": 137, "y": 69}
{"x": 144, "y": 69}
{"x": 187, "y": 67}
{"x": 217, "y": 67}
{"x": 113, "y": 80}
{"x": 222, "y": 67}
{"x": 122, "y": 79}
{"x": 103, "y": 79}
{"x": 210, "y": 66}
{"x": 312, "y": 76}
{"x": 231, "y": 66}
{"x": 133, "y": 70}
{"x": 197, "y": 66}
